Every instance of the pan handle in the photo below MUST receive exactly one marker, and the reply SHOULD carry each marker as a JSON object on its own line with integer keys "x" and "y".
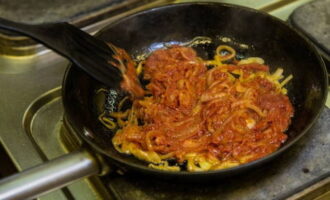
{"x": 49, "y": 176}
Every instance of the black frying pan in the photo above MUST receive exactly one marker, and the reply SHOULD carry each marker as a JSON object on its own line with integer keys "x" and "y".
{"x": 142, "y": 33}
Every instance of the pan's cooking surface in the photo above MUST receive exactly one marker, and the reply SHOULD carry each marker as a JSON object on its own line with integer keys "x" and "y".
{"x": 307, "y": 162}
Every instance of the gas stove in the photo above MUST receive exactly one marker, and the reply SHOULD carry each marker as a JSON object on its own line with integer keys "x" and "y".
{"x": 34, "y": 130}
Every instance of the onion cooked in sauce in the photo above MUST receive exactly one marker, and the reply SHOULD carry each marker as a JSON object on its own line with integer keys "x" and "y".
{"x": 210, "y": 119}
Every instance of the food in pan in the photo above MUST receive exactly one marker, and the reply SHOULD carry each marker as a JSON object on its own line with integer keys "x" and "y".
{"x": 200, "y": 115}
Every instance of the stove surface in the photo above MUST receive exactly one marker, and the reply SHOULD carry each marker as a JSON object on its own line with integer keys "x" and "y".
{"x": 34, "y": 131}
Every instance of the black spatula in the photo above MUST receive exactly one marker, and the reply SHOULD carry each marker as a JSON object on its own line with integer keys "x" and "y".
{"x": 85, "y": 51}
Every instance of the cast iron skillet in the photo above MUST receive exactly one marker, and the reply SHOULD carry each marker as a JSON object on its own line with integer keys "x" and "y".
{"x": 142, "y": 33}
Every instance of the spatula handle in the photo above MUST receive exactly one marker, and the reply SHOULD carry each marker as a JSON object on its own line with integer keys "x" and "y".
{"x": 51, "y": 34}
